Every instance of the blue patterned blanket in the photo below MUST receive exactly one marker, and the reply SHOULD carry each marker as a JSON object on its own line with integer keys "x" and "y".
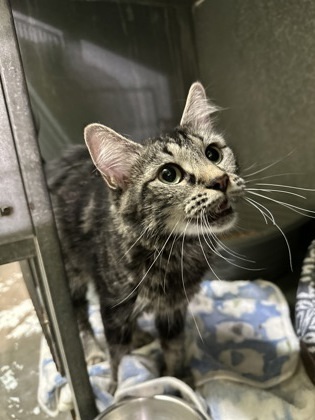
{"x": 240, "y": 346}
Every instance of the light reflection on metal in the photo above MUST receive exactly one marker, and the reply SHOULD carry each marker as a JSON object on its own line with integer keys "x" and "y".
{"x": 36, "y": 31}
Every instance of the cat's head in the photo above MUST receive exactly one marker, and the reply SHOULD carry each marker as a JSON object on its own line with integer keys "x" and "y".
{"x": 183, "y": 182}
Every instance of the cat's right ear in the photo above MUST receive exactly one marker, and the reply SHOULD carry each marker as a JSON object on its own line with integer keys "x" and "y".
{"x": 112, "y": 154}
{"x": 198, "y": 109}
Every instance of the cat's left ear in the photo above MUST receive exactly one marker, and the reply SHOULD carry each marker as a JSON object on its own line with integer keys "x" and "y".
{"x": 112, "y": 154}
{"x": 198, "y": 110}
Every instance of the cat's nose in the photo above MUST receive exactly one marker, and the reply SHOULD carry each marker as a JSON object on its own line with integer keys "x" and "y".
{"x": 219, "y": 183}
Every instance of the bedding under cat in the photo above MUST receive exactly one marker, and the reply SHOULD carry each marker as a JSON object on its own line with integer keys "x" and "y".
{"x": 139, "y": 221}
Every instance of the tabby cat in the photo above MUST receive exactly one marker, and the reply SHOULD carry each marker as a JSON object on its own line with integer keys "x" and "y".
{"x": 139, "y": 226}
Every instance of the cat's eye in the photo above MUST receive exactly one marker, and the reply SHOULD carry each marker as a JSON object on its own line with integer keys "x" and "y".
{"x": 170, "y": 174}
{"x": 213, "y": 154}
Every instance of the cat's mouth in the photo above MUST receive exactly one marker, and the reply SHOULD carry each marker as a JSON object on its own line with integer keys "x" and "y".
{"x": 224, "y": 206}
{"x": 215, "y": 216}
{"x": 223, "y": 210}
{"x": 210, "y": 216}
{"x": 216, "y": 220}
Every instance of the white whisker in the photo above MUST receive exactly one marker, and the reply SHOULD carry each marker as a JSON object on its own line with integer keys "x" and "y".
{"x": 182, "y": 260}
{"x": 168, "y": 259}
{"x": 222, "y": 245}
{"x": 237, "y": 265}
{"x": 276, "y": 190}
{"x": 195, "y": 322}
{"x": 288, "y": 205}
{"x": 254, "y": 205}
{"x": 146, "y": 273}
{"x": 129, "y": 249}
{"x": 230, "y": 251}
{"x": 273, "y": 176}
{"x": 183, "y": 283}
{"x": 250, "y": 167}
{"x": 212, "y": 248}
{"x": 204, "y": 254}
{"x": 287, "y": 186}
{"x": 272, "y": 219}
{"x": 269, "y": 166}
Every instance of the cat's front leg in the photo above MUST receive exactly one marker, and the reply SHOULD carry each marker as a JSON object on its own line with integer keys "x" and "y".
{"x": 170, "y": 326}
{"x": 118, "y": 326}
{"x": 92, "y": 350}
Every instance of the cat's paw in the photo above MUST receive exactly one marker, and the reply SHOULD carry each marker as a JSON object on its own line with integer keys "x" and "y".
{"x": 92, "y": 350}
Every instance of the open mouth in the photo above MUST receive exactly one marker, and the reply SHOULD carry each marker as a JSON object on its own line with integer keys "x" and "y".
{"x": 225, "y": 205}
{"x": 223, "y": 210}
{"x": 216, "y": 213}
{"x": 216, "y": 219}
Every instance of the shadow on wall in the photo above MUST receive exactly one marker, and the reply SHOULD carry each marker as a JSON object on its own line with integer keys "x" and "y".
{"x": 262, "y": 70}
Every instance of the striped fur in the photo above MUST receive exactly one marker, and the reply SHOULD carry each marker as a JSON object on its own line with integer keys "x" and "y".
{"x": 140, "y": 241}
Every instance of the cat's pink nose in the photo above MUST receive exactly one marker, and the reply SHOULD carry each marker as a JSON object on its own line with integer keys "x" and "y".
{"x": 219, "y": 183}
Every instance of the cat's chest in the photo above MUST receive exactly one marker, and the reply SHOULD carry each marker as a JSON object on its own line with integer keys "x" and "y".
{"x": 170, "y": 281}
{"x": 162, "y": 279}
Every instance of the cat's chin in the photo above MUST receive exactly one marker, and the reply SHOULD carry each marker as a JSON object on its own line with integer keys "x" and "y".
{"x": 222, "y": 223}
